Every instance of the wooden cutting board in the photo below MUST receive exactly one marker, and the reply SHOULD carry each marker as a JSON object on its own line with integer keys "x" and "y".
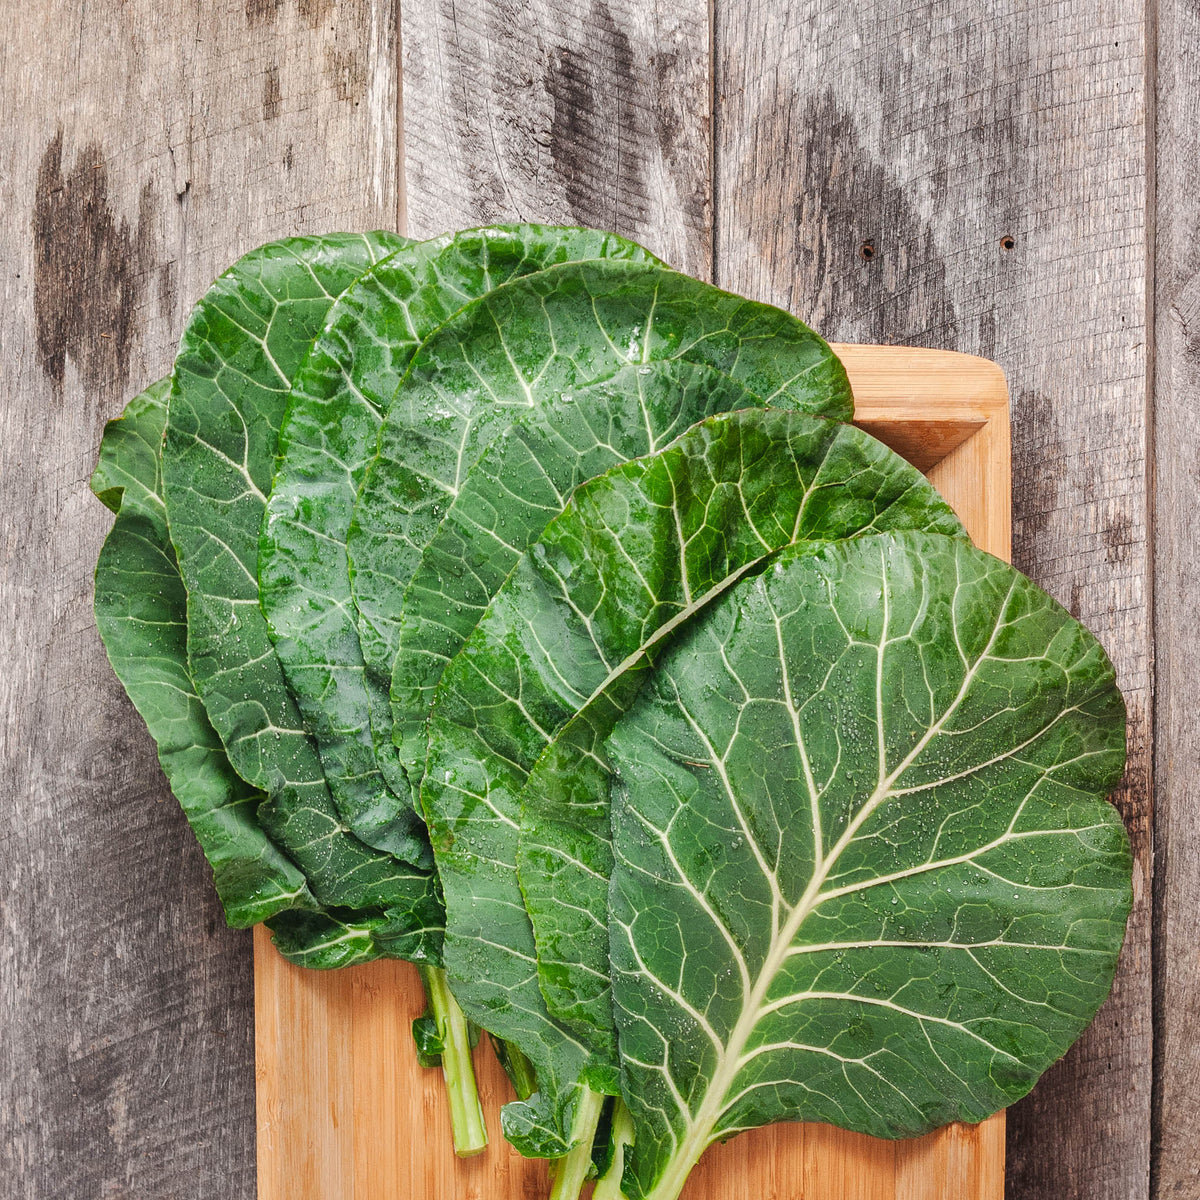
{"x": 345, "y": 1113}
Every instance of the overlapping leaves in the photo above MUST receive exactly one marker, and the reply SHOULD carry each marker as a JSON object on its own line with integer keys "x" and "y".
{"x": 243, "y": 345}
{"x": 141, "y": 612}
{"x": 337, "y": 401}
{"x": 527, "y": 344}
{"x": 636, "y": 554}
{"x": 520, "y": 483}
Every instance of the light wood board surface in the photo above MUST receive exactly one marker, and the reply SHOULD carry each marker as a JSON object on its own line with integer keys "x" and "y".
{"x": 345, "y": 1112}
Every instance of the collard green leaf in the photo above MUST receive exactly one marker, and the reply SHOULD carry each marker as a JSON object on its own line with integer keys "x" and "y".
{"x": 322, "y": 940}
{"x": 524, "y": 345}
{"x": 328, "y": 436}
{"x": 238, "y": 355}
{"x": 635, "y": 554}
{"x": 141, "y": 612}
{"x": 522, "y": 481}
{"x": 865, "y": 872}
{"x": 428, "y": 1039}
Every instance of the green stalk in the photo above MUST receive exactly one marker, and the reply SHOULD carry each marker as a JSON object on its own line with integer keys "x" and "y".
{"x": 571, "y": 1171}
{"x": 466, "y": 1115}
{"x": 609, "y": 1185}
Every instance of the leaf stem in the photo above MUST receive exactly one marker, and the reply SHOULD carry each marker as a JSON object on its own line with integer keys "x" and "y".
{"x": 571, "y": 1171}
{"x": 466, "y": 1114}
{"x": 609, "y": 1185}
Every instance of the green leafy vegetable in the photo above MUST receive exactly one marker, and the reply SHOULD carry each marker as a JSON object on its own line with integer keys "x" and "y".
{"x": 523, "y": 480}
{"x": 754, "y": 791}
{"x": 328, "y": 436}
{"x": 635, "y": 555}
{"x": 865, "y": 872}
{"x": 524, "y": 345}
{"x": 141, "y": 612}
{"x": 242, "y": 346}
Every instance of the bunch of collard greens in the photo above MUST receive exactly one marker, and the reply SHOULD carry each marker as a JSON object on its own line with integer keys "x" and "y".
{"x": 514, "y": 605}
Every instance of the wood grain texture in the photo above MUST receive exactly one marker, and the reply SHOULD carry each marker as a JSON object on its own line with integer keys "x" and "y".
{"x": 577, "y": 112}
{"x": 1176, "y": 1162}
{"x": 144, "y": 147}
{"x": 345, "y": 1112}
{"x": 944, "y": 174}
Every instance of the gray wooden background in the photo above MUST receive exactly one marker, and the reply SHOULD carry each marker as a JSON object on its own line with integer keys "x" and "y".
{"x": 1025, "y": 174}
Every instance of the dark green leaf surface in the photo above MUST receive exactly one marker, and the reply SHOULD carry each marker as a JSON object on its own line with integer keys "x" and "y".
{"x": 428, "y": 1039}
{"x": 524, "y": 345}
{"x": 865, "y": 872}
{"x": 141, "y": 612}
{"x": 241, "y": 348}
{"x": 328, "y": 437}
{"x": 522, "y": 481}
{"x": 653, "y": 542}
{"x": 322, "y": 940}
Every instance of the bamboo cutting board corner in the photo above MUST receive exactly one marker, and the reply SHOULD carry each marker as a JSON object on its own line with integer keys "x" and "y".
{"x": 345, "y": 1112}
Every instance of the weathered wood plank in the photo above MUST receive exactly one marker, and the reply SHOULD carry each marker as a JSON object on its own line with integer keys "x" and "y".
{"x": 943, "y": 175}
{"x": 1176, "y": 1147}
{"x": 145, "y": 146}
{"x": 589, "y": 112}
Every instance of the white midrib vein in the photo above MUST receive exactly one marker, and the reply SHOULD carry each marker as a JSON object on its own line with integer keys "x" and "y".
{"x": 730, "y": 1059}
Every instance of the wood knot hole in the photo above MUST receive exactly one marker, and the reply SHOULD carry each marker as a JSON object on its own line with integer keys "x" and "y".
{"x": 867, "y": 250}
{"x": 1007, "y": 241}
